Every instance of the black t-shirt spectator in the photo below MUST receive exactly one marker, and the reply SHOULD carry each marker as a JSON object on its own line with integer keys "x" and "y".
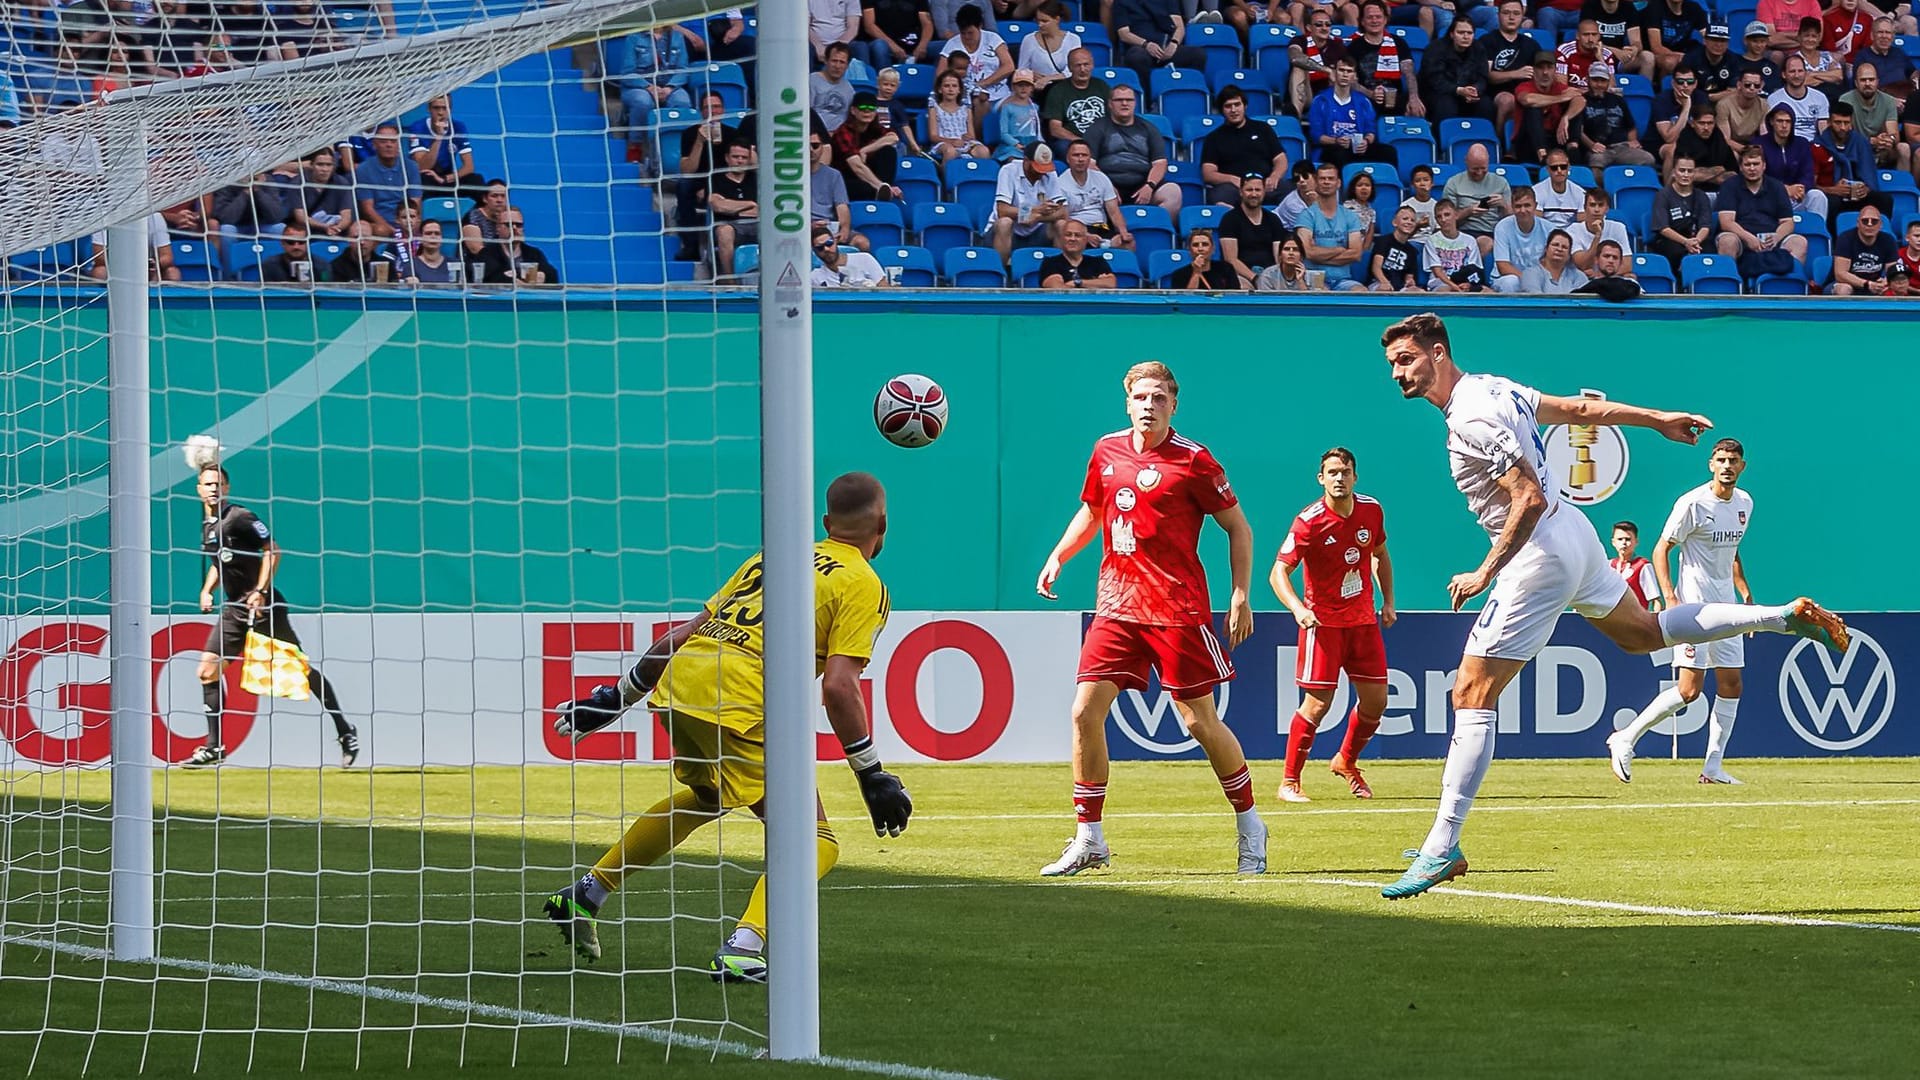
{"x": 1398, "y": 261}
{"x": 1148, "y": 19}
{"x": 1242, "y": 151}
{"x": 1715, "y": 75}
{"x": 1869, "y": 261}
{"x": 1257, "y": 241}
{"x": 1758, "y": 212}
{"x": 1614, "y": 24}
{"x": 348, "y": 268}
{"x": 487, "y": 267}
{"x": 280, "y": 268}
{"x": 531, "y": 256}
{"x": 744, "y": 189}
{"x": 1502, "y": 55}
{"x": 249, "y": 31}
{"x": 1606, "y": 119}
{"x": 1219, "y": 277}
{"x": 1678, "y": 30}
{"x": 1090, "y": 269}
{"x": 900, "y": 19}
{"x": 1769, "y": 71}
{"x": 1707, "y": 153}
{"x": 1684, "y": 214}
{"x": 1911, "y": 113}
{"x": 687, "y": 138}
{"x": 176, "y": 41}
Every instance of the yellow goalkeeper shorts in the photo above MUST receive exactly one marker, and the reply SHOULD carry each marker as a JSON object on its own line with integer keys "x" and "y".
{"x": 708, "y": 755}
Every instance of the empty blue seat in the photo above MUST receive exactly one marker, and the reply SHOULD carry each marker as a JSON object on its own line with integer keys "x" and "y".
{"x": 1654, "y": 273}
{"x": 975, "y": 268}
{"x": 1151, "y": 226}
{"x": 1162, "y": 265}
{"x": 880, "y": 222}
{"x": 1220, "y": 43}
{"x": 918, "y": 179}
{"x": 1460, "y": 132}
{"x": 1200, "y": 217}
{"x": 915, "y": 265}
{"x": 1180, "y": 92}
{"x": 1125, "y": 265}
{"x": 1710, "y": 275}
{"x": 942, "y": 226}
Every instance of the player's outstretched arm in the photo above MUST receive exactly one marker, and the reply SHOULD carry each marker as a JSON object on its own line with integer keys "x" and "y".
{"x": 1080, "y": 532}
{"x": 603, "y": 707}
{"x": 886, "y": 797}
{"x": 1681, "y": 427}
{"x": 1240, "y": 561}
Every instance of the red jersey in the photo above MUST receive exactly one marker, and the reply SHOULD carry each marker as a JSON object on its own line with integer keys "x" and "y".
{"x": 1339, "y": 553}
{"x": 1844, "y": 33}
{"x": 1573, "y": 63}
{"x": 1638, "y": 575}
{"x": 1151, "y": 504}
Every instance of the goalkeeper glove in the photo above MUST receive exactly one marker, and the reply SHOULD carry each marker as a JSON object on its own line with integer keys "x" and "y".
{"x": 589, "y": 714}
{"x": 887, "y": 800}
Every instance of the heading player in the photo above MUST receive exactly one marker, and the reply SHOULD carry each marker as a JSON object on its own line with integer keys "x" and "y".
{"x": 1707, "y": 525}
{"x": 1545, "y": 557}
{"x": 708, "y": 677}
{"x": 242, "y": 560}
{"x": 1148, "y": 490}
{"x": 1342, "y": 539}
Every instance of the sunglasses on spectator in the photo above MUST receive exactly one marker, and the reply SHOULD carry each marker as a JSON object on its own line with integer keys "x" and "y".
{"x": 825, "y": 243}
{"x": 1684, "y": 82}
{"x": 1558, "y": 168}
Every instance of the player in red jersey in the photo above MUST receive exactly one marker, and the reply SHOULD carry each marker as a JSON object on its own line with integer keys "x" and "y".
{"x": 1635, "y": 570}
{"x": 1342, "y": 539}
{"x": 1149, "y": 491}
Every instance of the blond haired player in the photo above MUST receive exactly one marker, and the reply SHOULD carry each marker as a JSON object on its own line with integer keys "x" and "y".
{"x": 708, "y": 677}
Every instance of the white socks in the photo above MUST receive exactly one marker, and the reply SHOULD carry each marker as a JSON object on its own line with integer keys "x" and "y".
{"x": 1090, "y": 830}
{"x": 592, "y": 891}
{"x": 1468, "y": 756}
{"x": 1664, "y": 704}
{"x": 1697, "y": 624}
{"x": 1719, "y": 730}
{"x": 1247, "y": 821}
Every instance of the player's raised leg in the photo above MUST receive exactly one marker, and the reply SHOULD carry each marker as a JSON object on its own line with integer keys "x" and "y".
{"x": 1088, "y": 848}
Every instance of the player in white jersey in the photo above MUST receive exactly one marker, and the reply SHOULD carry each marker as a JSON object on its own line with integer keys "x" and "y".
{"x": 1544, "y": 558}
{"x": 1707, "y": 525}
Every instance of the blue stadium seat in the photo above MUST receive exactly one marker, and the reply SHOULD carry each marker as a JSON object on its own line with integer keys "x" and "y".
{"x": 1093, "y": 37}
{"x": 1200, "y": 217}
{"x": 915, "y": 265}
{"x": 1157, "y": 120}
{"x": 1789, "y": 284}
{"x": 1194, "y": 130}
{"x": 1162, "y": 265}
{"x": 1821, "y": 272}
{"x": 1220, "y": 42}
{"x": 1819, "y": 240}
{"x": 1186, "y": 175}
{"x": 326, "y": 250}
{"x": 1268, "y": 46}
{"x": 972, "y": 181}
{"x": 1847, "y": 222}
{"x": 1410, "y": 139}
{"x": 975, "y": 268}
{"x": 1710, "y": 275}
{"x": 1455, "y": 135}
{"x": 728, "y": 79}
{"x": 1516, "y": 176}
{"x": 881, "y": 222}
{"x": 1293, "y": 138}
{"x": 1442, "y": 172}
{"x": 1119, "y": 76}
{"x": 1582, "y": 175}
{"x": 1178, "y": 93}
{"x": 1654, "y": 273}
{"x": 746, "y": 259}
{"x": 918, "y": 179}
{"x": 244, "y": 257}
{"x": 1151, "y": 226}
{"x": 1014, "y": 32}
{"x": 195, "y": 261}
{"x": 1251, "y": 83}
{"x": 916, "y": 84}
{"x": 941, "y": 227}
{"x": 1899, "y": 187}
{"x": 1026, "y": 265}
{"x": 43, "y": 262}
{"x": 1619, "y": 178}
{"x": 445, "y": 209}
{"x": 1125, "y": 264}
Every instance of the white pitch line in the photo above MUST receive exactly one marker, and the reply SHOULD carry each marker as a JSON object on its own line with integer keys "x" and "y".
{"x": 1272, "y": 815}
{"x": 495, "y": 1012}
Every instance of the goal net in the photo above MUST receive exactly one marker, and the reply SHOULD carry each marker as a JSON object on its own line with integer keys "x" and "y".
{"x": 423, "y": 281}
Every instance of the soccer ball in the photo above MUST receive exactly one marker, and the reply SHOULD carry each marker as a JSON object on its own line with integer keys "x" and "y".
{"x": 911, "y": 410}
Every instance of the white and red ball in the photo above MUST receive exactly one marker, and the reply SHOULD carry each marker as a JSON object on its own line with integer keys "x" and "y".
{"x": 910, "y": 410}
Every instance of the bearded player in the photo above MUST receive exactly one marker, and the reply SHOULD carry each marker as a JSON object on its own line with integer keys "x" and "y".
{"x": 1544, "y": 558}
{"x": 1148, "y": 491}
{"x": 1342, "y": 540}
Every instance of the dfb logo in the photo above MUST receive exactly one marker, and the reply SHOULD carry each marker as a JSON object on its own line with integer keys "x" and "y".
{"x": 1859, "y": 683}
{"x": 1157, "y": 727}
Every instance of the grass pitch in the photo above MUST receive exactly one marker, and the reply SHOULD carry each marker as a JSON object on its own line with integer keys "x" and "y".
{"x": 389, "y": 920}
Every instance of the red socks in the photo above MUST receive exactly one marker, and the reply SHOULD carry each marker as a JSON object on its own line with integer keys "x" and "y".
{"x": 1299, "y": 741}
{"x": 1239, "y": 790}
{"x": 1359, "y": 730}
{"x": 1089, "y": 801}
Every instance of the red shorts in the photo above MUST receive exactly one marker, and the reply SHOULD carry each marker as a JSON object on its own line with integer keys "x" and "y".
{"x": 1189, "y": 658}
{"x": 1325, "y": 650}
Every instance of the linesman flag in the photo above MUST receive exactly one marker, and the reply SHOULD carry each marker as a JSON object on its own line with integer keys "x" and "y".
{"x": 274, "y": 668}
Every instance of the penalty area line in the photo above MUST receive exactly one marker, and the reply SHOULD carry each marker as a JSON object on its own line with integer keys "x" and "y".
{"x": 489, "y": 1011}
{"x": 1427, "y": 808}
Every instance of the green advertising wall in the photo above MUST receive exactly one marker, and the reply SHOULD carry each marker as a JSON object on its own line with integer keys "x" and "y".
{"x": 598, "y": 456}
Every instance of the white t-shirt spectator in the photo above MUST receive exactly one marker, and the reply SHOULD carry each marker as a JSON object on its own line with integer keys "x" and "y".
{"x": 1583, "y": 237}
{"x": 157, "y": 235}
{"x": 1047, "y": 64}
{"x": 1087, "y": 202}
{"x": 985, "y": 61}
{"x": 1015, "y": 190}
{"x": 858, "y": 270}
{"x": 1560, "y": 208}
{"x": 1808, "y": 111}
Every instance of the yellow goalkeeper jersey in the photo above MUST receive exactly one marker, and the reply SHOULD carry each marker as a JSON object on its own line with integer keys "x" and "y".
{"x": 719, "y": 675}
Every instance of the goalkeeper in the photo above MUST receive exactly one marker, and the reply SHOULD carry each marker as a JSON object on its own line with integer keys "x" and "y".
{"x": 707, "y": 677}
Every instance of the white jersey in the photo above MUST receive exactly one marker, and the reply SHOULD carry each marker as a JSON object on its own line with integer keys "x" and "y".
{"x": 1490, "y": 429}
{"x": 1708, "y": 530}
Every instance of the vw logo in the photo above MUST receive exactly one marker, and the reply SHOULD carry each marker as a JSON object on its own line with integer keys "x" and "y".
{"x": 1857, "y": 689}
{"x": 1156, "y": 727}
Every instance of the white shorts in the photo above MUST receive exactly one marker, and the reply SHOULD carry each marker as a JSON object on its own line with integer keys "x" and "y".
{"x": 1725, "y": 653}
{"x": 1562, "y": 565}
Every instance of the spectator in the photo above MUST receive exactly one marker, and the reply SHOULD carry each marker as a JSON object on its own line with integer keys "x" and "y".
{"x": 1295, "y": 203}
{"x": 1359, "y": 199}
{"x": 866, "y": 153}
{"x": 989, "y": 65}
{"x": 1861, "y": 258}
{"x": 481, "y": 260}
{"x": 1481, "y": 197}
{"x": 1545, "y": 106}
{"x": 1508, "y": 55}
{"x": 1342, "y": 125}
{"x": 1595, "y": 228}
{"x": 385, "y": 182}
{"x": 1556, "y": 275}
{"x": 304, "y": 29}
{"x": 1019, "y": 118}
{"x": 1133, "y": 154}
{"x": 294, "y": 263}
{"x": 1518, "y": 242}
{"x": 736, "y": 208}
{"x": 1091, "y": 198}
{"x": 1453, "y": 77}
{"x": 1450, "y": 257}
{"x": 1845, "y": 28}
{"x": 1028, "y": 206}
{"x": 1742, "y": 115}
{"x": 1673, "y": 110}
{"x": 1910, "y": 254}
{"x": 1290, "y": 273}
{"x": 1556, "y": 17}
{"x": 177, "y": 39}
{"x": 946, "y": 17}
{"x": 1048, "y": 51}
{"x": 1910, "y": 126}
{"x": 1718, "y": 67}
{"x": 1790, "y": 161}
{"x": 159, "y": 252}
{"x": 1395, "y": 266}
{"x": 1202, "y": 272}
{"x": 328, "y": 199}
{"x": 404, "y": 247}
{"x": 1756, "y": 217}
{"x": 648, "y": 71}
{"x": 1757, "y": 59}
{"x": 893, "y": 112}
{"x": 1782, "y": 18}
{"x": 1847, "y": 165}
{"x": 1619, "y": 24}
{"x": 430, "y": 263}
{"x": 528, "y": 264}
{"x": 830, "y": 23}
{"x": 1331, "y": 237}
{"x": 1238, "y": 148}
{"x": 1071, "y": 268}
{"x": 1421, "y": 201}
{"x": 1875, "y": 115}
{"x": 894, "y": 31}
{"x": 950, "y": 124}
{"x": 843, "y": 269}
{"x": 442, "y": 153}
{"x": 832, "y": 94}
{"x": 1809, "y": 106}
{"x": 247, "y": 30}
{"x": 1611, "y": 278}
{"x": 1384, "y": 70}
{"x": 828, "y": 191}
{"x": 1682, "y": 217}
{"x": 1605, "y": 127}
{"x": 1073, "y": 106}
{"x": 491, "y": 214}
{"x": 1891, "y": 64}
{"x": 1714, "y": 159}
{"x": 1250, "y": 234}
{"x": 1825, "y": 71}
{"x": 690, "y": 184}
{"x": 1310, "y": 58}
{"x": 1672, "y": 29}
{"x": 249, "y": 208}
{"x": 1574, "y": 59}
{"x": 1900, "y": 281}
{"x": 361, "y": 263}
{"x": 1559, "y": 198}
{"x": 1150, "y": 34}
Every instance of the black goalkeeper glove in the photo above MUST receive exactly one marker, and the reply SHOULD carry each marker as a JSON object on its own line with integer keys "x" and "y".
{"x": 887, "y": 800}
{"x": 589, "y": 714}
